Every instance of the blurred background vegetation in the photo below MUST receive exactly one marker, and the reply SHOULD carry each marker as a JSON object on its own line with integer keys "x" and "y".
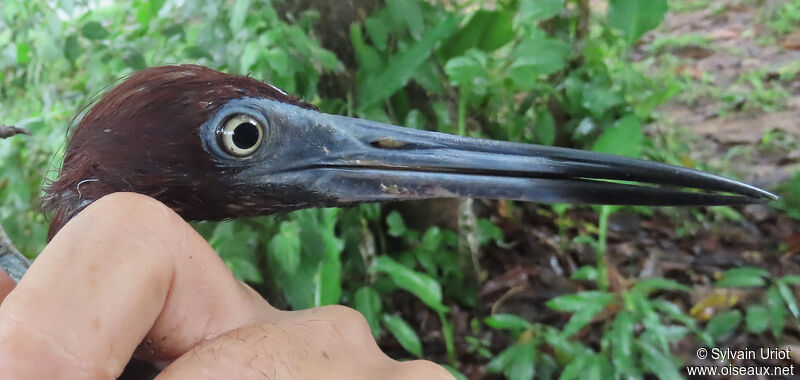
{"x": 489, "y": 289}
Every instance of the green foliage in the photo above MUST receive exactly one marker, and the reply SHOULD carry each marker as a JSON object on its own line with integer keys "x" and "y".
{"x": 783, "y": 17}
{"x": 790, "y": 197}
{"x": 403, "y": 333}
{"x": 779, "y": 303}
{"x": 753, "y": 90}
{"x": 635, "y": 17}
{"x": 304, "y": 258}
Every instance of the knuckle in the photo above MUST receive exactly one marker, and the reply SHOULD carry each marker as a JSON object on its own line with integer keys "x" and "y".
{"x": 129, "y": 208}
{"x": 345, "y": 316}
{"x": 349, "y": 324}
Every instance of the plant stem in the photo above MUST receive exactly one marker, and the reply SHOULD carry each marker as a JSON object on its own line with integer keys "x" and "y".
{"x": 602, "y": 226}
{"x": 462, "y": 111}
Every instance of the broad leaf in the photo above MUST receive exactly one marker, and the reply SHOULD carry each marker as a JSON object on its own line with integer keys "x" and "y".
{"x": 93, "y": 30}
{"x": 634, "y": 18}
{"x": 757, "y": 319}
{"x": 404, "y": 334}
{"x": 624, "y": 138}
{"x": 516, "y": 362}
{"x": 745, "y": 277}
{"x": 507, "y": 322}
{"x": 535, "y": 10}
{"x": 486, "y": 30}
{"x": 421, "y": 285}
{"x": 401, "y": 67}
{"x": 536, "y": 56}
{"x": 723, "y": 324}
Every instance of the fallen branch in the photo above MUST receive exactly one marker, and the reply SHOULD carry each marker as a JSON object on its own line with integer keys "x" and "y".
{"x": 7, "y": 131}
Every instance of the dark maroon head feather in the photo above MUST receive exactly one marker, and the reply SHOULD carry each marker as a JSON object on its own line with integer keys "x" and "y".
{"x": 127, "y": 141}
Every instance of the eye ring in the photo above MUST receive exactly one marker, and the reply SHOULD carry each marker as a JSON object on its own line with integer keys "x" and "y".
{"x": 241, "y": 135}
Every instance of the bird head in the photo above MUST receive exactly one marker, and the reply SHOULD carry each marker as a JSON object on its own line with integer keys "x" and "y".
{"x": 214, "y": 146}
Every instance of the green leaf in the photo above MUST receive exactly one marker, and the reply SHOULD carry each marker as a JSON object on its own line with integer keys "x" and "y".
{"x": 464, "y": 69}
{"x": 72, "y": 50}
{"x": 634, "y": 18}
{"x": 401, "y": 67}
{"x": 745, "y": 277}
{"x": 404, "y": 334}
{"x": 369, "y": 61}
{"x": 621, "y": 342}
{"x": 599, "y": 368}
{"x": 277, "y": 59}
{"x": 396, "y": 226}
{"x": 236, "y": 246}
{"x": 599, "y": 98}
{"x": 788, "y": 298}
{"x": 536, "y": 10}
{"x": 516, "y": 362}
{"x": 584, "y": 306}
{"x": 134, "y": 59}
{"x": 585, "y": 273}
{"x": 791, "y": 279}
{"x": 23, "y": 53}
{"x": 488, "y": 231}
{"x": 244, "y": 270}
{"x": 545, "y": 127}
{"x": 486, "y": 30}
{"x": 455, "y": 372}
{"x": 421, "y": 285}
{"x": 536, "y": 56}
{"x": 723, "y": 324}
{"x": 407, "y": 12}
{"x": 657, "y": 362}
{"x": 777, "y": 311}
{"x": 415, "y": 119}
{"x": 144, "y": 13}
{"x": 581, "y": 300}
{"x": 378, "y": 32}
{"x": 575, "y": 368}
{"x": 624, "y": 138}
{"x": 657, "y": 283}
{"x": 328, "y": 282}
{"x": 675, "y": 312}
{"x": 93, "y": 30}
{"x": 196, "y": 52}
{"x": 238, "y": 15}
{"x": 507, "y": 322}
{"x": 427, "y": 76}
{"x": 368, "y": 302}
{"x": 250, "y": 57}
{"x": 757, "y": 319}
{"x": 284, "y": 247}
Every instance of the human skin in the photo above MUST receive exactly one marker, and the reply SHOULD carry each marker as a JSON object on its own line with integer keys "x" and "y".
{"x": 127, "y": 276}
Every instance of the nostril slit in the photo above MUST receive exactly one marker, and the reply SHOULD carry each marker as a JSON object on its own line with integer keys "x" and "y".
{"x": 387, "y": 143}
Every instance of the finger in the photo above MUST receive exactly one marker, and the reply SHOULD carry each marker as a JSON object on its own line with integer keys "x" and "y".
{"x": 125, "y": 269}
{"x": 6, "y": 285}
{"x": 332, "y": 342}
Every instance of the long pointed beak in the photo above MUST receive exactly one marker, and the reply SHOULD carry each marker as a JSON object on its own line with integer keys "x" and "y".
{"x": 343, "y": 161}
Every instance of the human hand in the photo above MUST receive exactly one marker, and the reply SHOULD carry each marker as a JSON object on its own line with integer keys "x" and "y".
{"x": 128, "y": 277}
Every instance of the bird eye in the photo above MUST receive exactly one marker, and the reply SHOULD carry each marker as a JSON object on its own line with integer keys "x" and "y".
{"x": 241, "y": 135}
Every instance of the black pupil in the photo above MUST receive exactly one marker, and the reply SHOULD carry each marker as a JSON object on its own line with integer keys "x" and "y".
{"x": 245, "y": 135}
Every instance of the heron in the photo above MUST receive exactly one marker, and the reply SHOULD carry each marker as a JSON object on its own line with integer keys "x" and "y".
{"x": 215, "y": 146}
